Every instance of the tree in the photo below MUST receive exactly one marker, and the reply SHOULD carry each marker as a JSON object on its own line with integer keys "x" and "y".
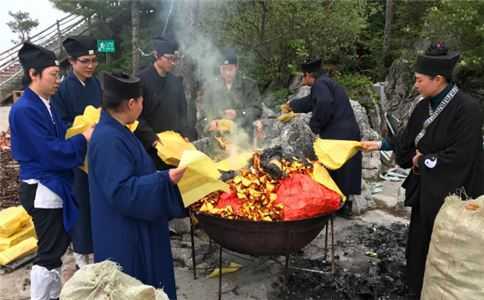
{"x": 22, "y": 25}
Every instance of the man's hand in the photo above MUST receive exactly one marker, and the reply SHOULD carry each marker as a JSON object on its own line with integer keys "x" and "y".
{"x": 88, "y": 133}
{"x": 369, "y": 146}
{"x": 176, "y": 174}
{"x": 285, "y": 108}
{"x": 230, "y": 114}
{"x": 415, "y": 160}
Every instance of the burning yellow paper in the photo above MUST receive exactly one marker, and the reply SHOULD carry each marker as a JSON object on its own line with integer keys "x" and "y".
{"x": 201, "y": 177}
{"x": 333, "y": 154}
{"x": 321, "y": 176}
{"x": 234, "y": 162}
{"x": 171, "y": 147}
{"x": 89, "y": 118}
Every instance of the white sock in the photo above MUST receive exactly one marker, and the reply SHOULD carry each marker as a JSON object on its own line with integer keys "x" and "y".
{"x": 40, "y": 282}
{"x": 56, "y": 283}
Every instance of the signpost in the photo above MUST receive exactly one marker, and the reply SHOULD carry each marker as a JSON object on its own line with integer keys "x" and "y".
{"x": 106, "y": 46}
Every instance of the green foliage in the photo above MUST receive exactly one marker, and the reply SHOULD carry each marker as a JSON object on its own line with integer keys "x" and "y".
{"x": 358, "y": 87}
{"x": 275, "y": 35}
{"x": 22, "y": 25}
{"x": 460, "y": 24}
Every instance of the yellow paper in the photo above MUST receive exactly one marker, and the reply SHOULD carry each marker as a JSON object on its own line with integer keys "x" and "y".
{"x": 88, "y": 119}
{"x": 333, "y": 154}
{"x": 234, "y": 162}
{"x": 23, "y": 233}
{"x": 225, "y": 125}
{"x": 286, "y": 117}
{"x": 171, "y": 147}
{"x": 201, "y": 177}
{"x": 232, "y": 267}
{"x": 12, "y": 219}
{"x": 81, "y": 123}
{"x": 321, "y": 176}
{"x": 22, "y": 249}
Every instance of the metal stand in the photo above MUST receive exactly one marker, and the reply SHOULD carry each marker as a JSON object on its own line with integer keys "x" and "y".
{"x": 192, "y": 236}
{"x": 220, "y": 273}
{"x": 328, "y": 227}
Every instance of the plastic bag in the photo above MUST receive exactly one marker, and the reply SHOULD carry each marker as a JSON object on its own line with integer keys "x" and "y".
{"x": 303, "y": 198}
{"x": 333, "y": 154}
{"x": 12, "y": 219}
{"x": 230, "y": 199}
{"x": 455, "y": 263}
{"x": 105, "y": 280}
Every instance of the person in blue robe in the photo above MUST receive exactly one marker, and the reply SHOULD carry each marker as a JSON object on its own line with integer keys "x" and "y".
{"x": 131, "y": 202}
{"x": 79, "y": 89}
{"x": 46, "y": 161}
{"x": 332, "y": 118}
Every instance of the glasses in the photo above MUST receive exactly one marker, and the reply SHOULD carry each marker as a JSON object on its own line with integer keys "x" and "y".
{"x": 170, "y": 57}
{"x": 87, "y": 61}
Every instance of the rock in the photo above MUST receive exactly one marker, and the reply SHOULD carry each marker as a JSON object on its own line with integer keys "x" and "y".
{"x": 360, "y": 205}
{"x": 295, "y": 137}
{"x": 385, "y": 202}
{"x": 400, "y": 96}
{"x": 367, "y": 133}
{"x": 180, "y": 226}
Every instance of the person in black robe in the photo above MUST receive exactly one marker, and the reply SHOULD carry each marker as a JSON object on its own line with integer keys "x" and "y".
{"x": 442, "y": 143}
{"x": 232, "y": 95}
{"x": 80, "y": 89}
{"x": 165, "y": 105}
{"x": 332, "y": 118}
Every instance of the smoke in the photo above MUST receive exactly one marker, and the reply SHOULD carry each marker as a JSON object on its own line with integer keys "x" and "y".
{"x": 200, "y": 64}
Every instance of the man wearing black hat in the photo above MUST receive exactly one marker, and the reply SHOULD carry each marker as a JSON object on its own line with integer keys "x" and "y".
{"x": 165, "y": 105}
{"x": 332, "y": 118}
{"x": 231, "y": 95}
{"x": 46, "y": 161}
{"x": 78, "y": 90}
{"x": 131, "y": 201}
{"x": 442, "y": 144}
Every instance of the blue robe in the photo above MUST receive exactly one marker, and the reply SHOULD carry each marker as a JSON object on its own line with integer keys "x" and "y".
{"x": 131, "y": 204}
{"x": 70, "y": 101}
{"x": 72, "y": 97}
{"x": 333, "y": 118}
{"x": 40, "y": 147}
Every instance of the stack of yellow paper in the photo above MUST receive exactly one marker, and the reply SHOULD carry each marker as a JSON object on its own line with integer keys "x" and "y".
{"x": 12, "y": 219}
{"x": 201, "y": 177}
{"x": 333, "y": 154}
{"x": 16, "y": 228}
{"x": 171, "y": 147}
{"x": 22, "y": 249}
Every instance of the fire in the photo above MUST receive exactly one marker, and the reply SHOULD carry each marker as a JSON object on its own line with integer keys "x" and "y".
{"x": 253, "y": 192}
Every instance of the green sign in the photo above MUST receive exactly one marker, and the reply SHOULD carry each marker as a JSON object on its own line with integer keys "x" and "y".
{"x": 106, "y": 46}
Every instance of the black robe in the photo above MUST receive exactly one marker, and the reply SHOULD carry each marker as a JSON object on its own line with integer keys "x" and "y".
{"x": 333, "y": 118}
{"x": 164, "y": 108}
{"x": 452, "y": 160}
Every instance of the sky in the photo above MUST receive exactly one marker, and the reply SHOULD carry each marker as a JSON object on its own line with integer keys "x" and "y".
{"x": 42, "y": 10}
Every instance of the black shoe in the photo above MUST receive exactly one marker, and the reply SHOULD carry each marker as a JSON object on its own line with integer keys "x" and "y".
{"x": 347, "y": 210}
